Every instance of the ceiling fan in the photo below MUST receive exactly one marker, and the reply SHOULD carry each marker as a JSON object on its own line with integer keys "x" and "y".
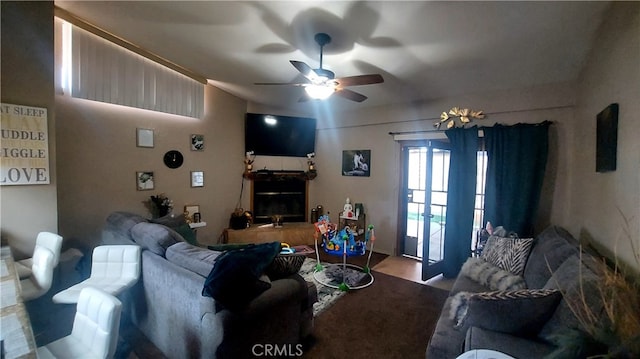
{"x": 322, "y": 82}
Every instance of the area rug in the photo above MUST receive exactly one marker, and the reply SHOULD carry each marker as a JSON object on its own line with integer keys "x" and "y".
{"x": 326, "y": 296}
{"x": 393, "y": 318}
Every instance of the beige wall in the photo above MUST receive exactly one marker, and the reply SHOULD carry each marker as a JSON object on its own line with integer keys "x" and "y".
{"x": 612, "y": 75}
{"x": 98, "y": 160}
{"x": 369, "y": 129}
{"x": 27, "y": 79}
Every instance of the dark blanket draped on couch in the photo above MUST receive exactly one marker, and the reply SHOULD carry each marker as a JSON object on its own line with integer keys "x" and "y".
{"x": 516, "y": 161}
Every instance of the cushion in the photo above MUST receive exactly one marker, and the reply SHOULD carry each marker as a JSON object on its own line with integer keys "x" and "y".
{"x": 520, "y": 312}
{"x": 577, "y": 283}
{"x": 195, "y": 259}
{"x": 508, "y": 253}
{"x": 552, "y": 247}
{"x": 154, "y": 237}
{"x": 490, "y": 275}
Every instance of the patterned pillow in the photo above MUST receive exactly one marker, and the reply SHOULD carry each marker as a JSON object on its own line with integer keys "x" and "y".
{"x": 509, "y": 254}
{"x": 520, "y": 312}
{"x": 491, "y": 276}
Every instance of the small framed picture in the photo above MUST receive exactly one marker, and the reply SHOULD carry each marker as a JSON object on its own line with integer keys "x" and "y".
{"x": 145, "y": 180}
{"x": 190, "y": 210}
{"x": 197, "y": 179}
{"x": 197, "y": 142}
{"x": 144, "y": 137}
{"x": 356, "y": 163}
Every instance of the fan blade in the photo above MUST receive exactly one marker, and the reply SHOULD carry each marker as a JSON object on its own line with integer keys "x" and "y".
{"x": 280, "y": 83}
{"x": 350, "y": 95}
{"x": 304, "y": 69}
{"x": 359, "y": 80}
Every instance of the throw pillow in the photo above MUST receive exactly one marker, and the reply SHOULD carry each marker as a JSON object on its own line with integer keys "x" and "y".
{"x": 284, "y": 265}
{"x": 491, "y": 276}
{"x": 507, "y": 253}
{"x": 520, "y": 312}
{"x": 154, "y": 237}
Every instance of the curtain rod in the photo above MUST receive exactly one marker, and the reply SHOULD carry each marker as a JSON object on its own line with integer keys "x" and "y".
{"x": 438, "y": 118}
{"x": 83, "y": 24}
{"x": 487, "y": 113}
{"x": 443, "y": 130}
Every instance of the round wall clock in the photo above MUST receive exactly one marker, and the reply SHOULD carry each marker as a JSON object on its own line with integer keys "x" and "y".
{"x": 173, "y": 159}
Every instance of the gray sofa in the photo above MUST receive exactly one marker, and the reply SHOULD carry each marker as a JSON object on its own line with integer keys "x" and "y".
{"x": 522, "y": 327}
{"x": 168, "y": 307}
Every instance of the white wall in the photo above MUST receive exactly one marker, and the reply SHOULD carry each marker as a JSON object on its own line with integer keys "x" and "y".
{"x": 612, "y": 75}
{"x": 27, "y": 79}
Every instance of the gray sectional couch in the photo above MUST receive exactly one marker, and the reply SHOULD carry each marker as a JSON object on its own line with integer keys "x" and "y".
{"x": 522, "y": 327}
{"x": 168, "y": 307}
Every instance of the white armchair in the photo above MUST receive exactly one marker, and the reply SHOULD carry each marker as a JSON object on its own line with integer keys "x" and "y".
{"x": 52, "y": 242}
{"x": 95, "y": 329}
{"x": 39, "y": 282}
{"x": 114, "y": 268}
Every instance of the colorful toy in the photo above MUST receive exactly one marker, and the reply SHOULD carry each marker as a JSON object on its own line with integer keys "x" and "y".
{"x": 342, "y": 242}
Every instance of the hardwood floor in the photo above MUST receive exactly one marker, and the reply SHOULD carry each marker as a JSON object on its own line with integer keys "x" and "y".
{"x": 410, "y": 269}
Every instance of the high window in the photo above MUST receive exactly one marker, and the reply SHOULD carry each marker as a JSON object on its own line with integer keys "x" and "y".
{"x": 97, "y": 69}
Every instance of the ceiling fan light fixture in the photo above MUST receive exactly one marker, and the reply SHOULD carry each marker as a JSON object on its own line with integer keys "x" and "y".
{"x": 319, "y": 92}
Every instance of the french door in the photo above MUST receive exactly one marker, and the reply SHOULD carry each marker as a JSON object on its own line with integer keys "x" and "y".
{"x": 425, "y": 180}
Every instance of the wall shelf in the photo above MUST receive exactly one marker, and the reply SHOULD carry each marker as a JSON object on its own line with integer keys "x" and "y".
{"x": 268, "y": 175}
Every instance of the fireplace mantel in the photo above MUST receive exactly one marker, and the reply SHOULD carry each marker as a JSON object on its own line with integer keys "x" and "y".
{"x": 268, "y": 175}
{"x": 281, "y": 194}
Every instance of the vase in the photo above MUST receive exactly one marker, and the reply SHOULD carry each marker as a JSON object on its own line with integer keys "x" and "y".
{"x": 163, "y": 211}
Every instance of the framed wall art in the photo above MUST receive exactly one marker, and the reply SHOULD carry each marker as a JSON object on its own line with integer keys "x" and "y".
{"x": 197, "y": 179}
{"x": 144, "y": 137}
{"x": 356, "y": 163}
{"x": 607, "y": 139}
{"x": 197, "y": 142}
{"x": 190, "y": 210}
{"x": 145, "y": 180}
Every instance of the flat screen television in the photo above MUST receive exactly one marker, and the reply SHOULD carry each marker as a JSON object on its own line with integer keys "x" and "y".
{"x": 275, "y": 135}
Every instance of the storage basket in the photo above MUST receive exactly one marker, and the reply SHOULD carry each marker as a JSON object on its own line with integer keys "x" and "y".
{"x": 284, "y": 265}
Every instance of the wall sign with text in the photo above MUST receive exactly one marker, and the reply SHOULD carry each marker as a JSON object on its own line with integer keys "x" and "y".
{"x": 24, "y": 150}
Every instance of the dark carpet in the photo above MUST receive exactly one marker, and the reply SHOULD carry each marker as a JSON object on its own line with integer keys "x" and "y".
{"x": 392, "y": 318}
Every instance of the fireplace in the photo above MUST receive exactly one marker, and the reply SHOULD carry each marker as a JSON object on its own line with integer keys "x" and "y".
{"x": 283, "y": 196}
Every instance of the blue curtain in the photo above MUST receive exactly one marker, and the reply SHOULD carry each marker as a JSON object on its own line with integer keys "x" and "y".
{"x": 460, "y": 198}
{"x": 516, "y": 161}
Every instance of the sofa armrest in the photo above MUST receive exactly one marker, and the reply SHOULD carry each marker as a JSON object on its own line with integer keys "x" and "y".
{"x": 282, "y": 290}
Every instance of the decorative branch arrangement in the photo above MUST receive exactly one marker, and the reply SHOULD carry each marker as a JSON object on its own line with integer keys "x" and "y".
{"x": 463, "y": 114}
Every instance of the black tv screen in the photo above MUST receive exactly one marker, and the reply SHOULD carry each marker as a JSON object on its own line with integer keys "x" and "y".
{"x": 274, "y": 135}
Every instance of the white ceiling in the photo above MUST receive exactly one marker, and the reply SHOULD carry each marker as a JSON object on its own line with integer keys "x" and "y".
{"x": 423, "y": 49}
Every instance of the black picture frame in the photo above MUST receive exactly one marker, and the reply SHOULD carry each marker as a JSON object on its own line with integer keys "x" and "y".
{"x": 607, "y": 138}
{"x": 356, "y": 163}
